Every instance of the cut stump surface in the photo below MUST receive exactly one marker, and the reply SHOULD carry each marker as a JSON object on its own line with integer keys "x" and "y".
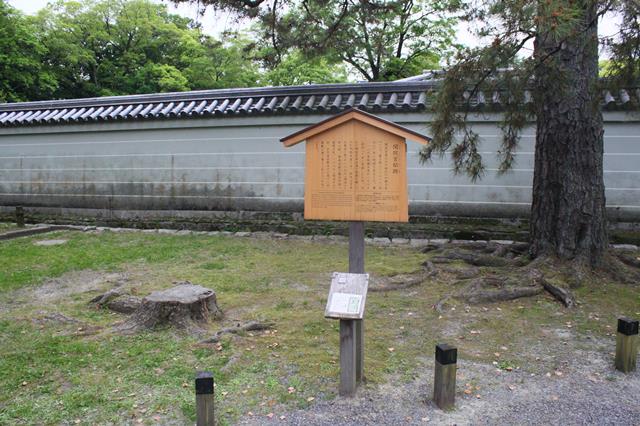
{"x": 185, "y": 306}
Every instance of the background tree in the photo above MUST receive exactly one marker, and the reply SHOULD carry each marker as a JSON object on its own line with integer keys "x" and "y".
{"x": 113, "y": 47}
{"x": 98, "y": 48}
{"x": 217, "y": 64}
{"x": 568, "y": 210}
{"x": 22, "y": 76}
{"x": 624, "y": 66}
{"x": 379, "y": 40}
{"x": 297, "y": 69}
{"x": 76, "y": 49}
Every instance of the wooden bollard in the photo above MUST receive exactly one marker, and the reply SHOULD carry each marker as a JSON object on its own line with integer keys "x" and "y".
{"x": 204, "y": 399}
{"x": 444, "y": 384}
{"x": 626, "y": 345}
{"x": 20, "y": 217}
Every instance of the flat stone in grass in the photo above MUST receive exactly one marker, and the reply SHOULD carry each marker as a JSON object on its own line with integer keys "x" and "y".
{"x": 50, "y": 242}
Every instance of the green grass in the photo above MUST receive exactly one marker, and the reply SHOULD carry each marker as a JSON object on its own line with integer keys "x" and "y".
{"x": 54, "y": 373}
{"x": 7, "y": 226}
{"x": 105, "y": 377}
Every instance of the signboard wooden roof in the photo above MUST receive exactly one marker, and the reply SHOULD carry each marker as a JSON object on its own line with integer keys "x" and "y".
{"x": 354, "y": 114}
{"x": 355, "y": 168}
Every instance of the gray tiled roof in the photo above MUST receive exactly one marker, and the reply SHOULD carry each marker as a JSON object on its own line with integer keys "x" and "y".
{"x": 403, "y": 95}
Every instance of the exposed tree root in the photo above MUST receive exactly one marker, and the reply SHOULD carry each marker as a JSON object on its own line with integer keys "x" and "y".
{"x": 74, "y": 327}
{"x": 622, "y": 268}
{"x": 492, "y": 289}
{"x": 562, "y": 294}
{"x": 56, "y": 318}
{"x": 125, "y": 304}
{"x": 430, "y": 247}
{"x": 472, "y": 259}
{"x": 250, "y": 326}
{"x": 462, "y": 273}
{"x": 102, "y": 299}
{"x": 501, "y": 294}
{"x": 512, "y": 275}
{"x": 117, "y": 300}
{"x": 499, "y": 272}
{"x": 403, "y": 281}
{"x": 629, "y": 260}
{"x": 399, "y": 282}
{"x": 498, "y": 256}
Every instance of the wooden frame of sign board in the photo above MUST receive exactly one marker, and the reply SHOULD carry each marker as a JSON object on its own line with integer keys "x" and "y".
{"x": 355, "y": 170}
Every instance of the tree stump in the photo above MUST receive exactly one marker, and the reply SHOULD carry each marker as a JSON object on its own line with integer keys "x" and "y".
{"x": 185, "y": 306}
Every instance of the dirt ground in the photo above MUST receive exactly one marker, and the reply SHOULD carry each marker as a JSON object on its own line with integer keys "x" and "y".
{"x": 584, "y": 390}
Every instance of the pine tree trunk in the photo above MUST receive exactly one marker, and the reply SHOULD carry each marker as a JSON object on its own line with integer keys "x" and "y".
{"x": 568, "y": 209}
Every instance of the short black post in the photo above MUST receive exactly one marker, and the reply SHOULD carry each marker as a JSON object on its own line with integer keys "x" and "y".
{"x": 20, "y": 216}
{"x": 204, "y": 399}
{"x": 444, "y": 384}
{"x": 626, "y": 345}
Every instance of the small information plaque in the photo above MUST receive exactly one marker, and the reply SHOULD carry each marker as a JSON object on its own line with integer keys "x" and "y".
{"x": 347, "y": 296}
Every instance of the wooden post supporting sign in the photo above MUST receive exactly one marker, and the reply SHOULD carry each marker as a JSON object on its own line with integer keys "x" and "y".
{"x": 356, "y": 266}
{"x": 205, "y": 415}
{"x": 626, "y": 345}
{"x": 444, "y": 383}
{"x": 347, "y": 357}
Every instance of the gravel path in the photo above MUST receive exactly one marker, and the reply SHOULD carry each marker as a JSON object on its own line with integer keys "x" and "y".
{"x": 592, "y": 393}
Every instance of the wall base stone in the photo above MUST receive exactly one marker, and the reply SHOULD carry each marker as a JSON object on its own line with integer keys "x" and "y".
{"x": 281, "y": 224}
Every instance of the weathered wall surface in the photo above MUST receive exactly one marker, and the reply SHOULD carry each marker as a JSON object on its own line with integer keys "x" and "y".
{"x": 238, "y": 163}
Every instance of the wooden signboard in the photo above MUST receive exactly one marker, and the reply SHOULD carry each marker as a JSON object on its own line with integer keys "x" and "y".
{"x": 356, "y": 171}
{"x": 347, "y": 296}
{"x": 355, "y": 168}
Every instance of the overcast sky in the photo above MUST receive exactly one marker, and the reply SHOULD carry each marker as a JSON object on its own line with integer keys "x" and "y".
{"x": 216, "y": 23}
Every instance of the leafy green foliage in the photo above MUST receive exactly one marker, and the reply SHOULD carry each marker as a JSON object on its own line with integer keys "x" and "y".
{"x": 219, "y": 64}
{"x": 379, "y": 40}
{"x": 92, "y": 48}
{"x": 382, "y": 40}
{"x": 22, "y": 75}
{"x": 296, "y": 69}
{"x": 76, "y": 49}
{"x": 101, "y": 47}
{"x": 510, "y": 64}
{"x": 624, "y": 66}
